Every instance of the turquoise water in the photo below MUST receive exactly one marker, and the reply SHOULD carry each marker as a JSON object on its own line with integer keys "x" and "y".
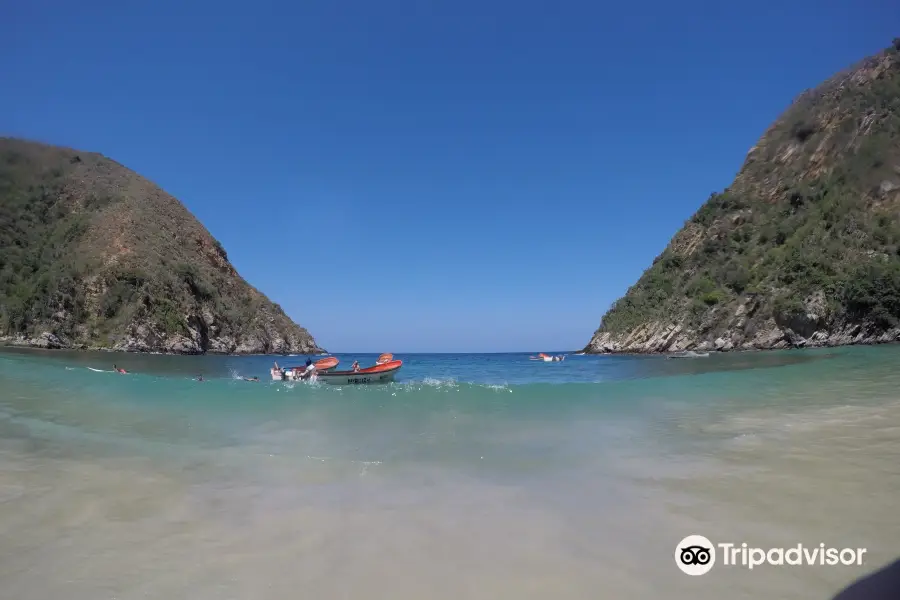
{"x": 476, "y": 476}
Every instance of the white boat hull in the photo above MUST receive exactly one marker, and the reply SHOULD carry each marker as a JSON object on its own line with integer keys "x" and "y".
{"x": 293, "y": 374}
{"x": 357, "y": 378}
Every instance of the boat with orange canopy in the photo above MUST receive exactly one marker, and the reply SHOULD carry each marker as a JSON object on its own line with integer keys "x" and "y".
{"x": 326, "y": 364}
{"x": 291, "y": 373}
{"x": 379, "y": 373}
{"x": 547, "y": 357}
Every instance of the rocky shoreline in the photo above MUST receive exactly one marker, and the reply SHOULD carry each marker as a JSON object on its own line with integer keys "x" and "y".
{"x": 773, "y": 334}
{"x": 746, "y": 329}
{"x": 177, "y": 345}
{"x": 605, "y": 344}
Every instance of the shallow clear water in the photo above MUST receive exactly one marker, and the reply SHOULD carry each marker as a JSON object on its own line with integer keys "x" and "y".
{"x": 472, "y": 476}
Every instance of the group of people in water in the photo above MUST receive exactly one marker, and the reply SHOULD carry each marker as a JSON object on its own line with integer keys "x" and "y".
{"x": 307, "y": 373}
{"x": 117, "y": 369}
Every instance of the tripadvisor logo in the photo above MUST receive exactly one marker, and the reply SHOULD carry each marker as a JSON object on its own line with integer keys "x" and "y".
{"x": 696, "y": 555}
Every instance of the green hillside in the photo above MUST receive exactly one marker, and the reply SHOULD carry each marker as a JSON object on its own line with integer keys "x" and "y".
{"x": 802, "y": 249}
{"x": 94, "y": 255}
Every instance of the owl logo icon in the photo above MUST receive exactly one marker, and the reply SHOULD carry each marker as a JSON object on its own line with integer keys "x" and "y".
{"x": 695, "y": 555}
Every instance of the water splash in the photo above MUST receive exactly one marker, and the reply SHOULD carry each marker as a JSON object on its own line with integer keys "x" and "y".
{"x": 438, "y": 382}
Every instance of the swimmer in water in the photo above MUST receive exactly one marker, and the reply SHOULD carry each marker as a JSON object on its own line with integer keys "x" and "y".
{"x": 119, "y": 370}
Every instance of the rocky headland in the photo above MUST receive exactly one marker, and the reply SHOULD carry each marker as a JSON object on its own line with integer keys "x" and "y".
{"x": 94, "y": 256}
{"x": 802, "y": 250}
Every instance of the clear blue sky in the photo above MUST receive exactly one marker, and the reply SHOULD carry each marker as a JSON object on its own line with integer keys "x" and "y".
{"x": 463, "y": 176}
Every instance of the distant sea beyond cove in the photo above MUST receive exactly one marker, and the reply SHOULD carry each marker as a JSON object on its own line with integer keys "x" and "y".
{"x": 472, "y": 476}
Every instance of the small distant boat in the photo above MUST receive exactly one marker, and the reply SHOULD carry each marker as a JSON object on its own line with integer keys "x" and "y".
{"x": 548, "y": 357}
{"x": 380, "y": 373}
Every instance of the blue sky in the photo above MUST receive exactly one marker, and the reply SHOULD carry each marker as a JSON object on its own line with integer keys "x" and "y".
{"x": 460, "y": 176}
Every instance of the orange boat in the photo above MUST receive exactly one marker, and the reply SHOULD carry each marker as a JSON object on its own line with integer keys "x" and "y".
{"x": 323, "y": 364}
{"x": 326, "y": 364}
{"x": 380, "y": 373}
{"x": 547, "y": 357}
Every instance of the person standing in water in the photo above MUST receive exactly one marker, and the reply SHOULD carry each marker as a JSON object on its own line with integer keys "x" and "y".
{"x": 276, "y": 371}
{"x": 310, "y": 369}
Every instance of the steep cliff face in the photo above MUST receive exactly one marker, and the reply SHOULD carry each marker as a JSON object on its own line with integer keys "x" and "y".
{"x": 803, "y": 249}
{"x": 92, "y": 255}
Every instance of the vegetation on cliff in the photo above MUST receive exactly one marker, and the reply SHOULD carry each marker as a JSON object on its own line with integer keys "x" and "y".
{"x": 804, "y": 246}
{"x": 93, "y": 255}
